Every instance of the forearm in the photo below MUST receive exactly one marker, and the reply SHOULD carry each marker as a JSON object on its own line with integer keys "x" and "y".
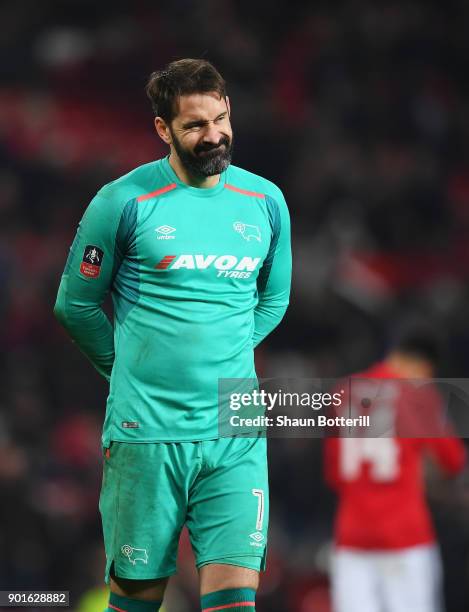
{"x": 267, "y": 315}
{"x": 273, "y": 283}
{"x": 95, "y": 254}
{"x": 89, "y": 328}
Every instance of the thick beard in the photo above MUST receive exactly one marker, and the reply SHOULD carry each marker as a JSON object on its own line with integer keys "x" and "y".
{"x": 205, "y": 160}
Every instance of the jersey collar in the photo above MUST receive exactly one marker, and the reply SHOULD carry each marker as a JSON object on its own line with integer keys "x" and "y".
{"x": 196, "y": 191}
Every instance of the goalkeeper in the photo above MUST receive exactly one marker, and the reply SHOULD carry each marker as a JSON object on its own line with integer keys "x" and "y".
{"x": 196, "y": 255}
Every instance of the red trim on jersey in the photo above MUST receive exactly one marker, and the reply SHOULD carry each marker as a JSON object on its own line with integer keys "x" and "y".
{"x": 116, "y": 608}
{"x": 253, "y": 194}
{"x": 154, "y": 194}
{"x": 164, "y": 263}
{"x": 239, "y": 604}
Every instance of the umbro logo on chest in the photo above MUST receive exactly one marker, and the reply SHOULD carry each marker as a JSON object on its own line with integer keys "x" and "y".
{"x": 165, "y": 232}
{"x": 247, "y": 230}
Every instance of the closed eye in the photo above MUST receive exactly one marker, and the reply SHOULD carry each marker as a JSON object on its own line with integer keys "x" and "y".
{"x": 198, "y": 124}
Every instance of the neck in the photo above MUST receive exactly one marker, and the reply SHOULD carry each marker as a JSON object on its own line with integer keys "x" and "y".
{"x": 202, "y": 182}
{"x": 409, "y": 367}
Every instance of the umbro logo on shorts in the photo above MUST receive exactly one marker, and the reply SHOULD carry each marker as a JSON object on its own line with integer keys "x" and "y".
{"x": 257, "y": 538}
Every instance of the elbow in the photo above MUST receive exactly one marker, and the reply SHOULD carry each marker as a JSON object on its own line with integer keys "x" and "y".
{"x": 460, "y": 461}
{"x": 284, "y": 303}
{"x": 281, "y": 311}
{"x": 60, "y": 312}
{"x": 454, "y": 467}
{"x": 460, "y": 465}
{"x": 285, "y": 307}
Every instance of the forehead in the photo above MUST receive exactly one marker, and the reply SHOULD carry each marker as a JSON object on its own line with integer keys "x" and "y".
{"x": 200, "y": 106}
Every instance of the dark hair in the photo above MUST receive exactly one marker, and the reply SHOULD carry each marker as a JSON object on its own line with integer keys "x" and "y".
{"x": 421, "y": 341}
{"x": 179, "y": 78}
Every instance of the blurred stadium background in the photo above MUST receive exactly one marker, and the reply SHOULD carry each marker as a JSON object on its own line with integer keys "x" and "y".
{"x": 359, "y": 110}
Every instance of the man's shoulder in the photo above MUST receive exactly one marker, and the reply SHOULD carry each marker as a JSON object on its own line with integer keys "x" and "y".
{"x": 245, "y": 180}
{"x": 137, "y": 183}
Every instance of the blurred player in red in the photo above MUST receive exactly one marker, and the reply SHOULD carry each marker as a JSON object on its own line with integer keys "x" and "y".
{"x": 386, "y": 558}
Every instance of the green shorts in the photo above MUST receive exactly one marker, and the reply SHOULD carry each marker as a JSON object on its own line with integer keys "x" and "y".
{"x": 218, "y": 488}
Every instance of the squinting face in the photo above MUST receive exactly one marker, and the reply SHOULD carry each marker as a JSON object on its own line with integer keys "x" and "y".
{"x": 201, "y": 134}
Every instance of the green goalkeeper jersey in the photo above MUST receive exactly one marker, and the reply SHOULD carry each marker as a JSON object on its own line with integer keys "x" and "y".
{"x": 198, "y": 277}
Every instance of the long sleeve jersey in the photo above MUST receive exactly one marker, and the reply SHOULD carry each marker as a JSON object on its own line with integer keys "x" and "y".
{"x": 379, "y": 481}
{"x": 198, "y": 278}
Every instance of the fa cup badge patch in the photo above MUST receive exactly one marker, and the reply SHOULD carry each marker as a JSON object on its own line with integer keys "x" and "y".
{"x": 91, "y": 262}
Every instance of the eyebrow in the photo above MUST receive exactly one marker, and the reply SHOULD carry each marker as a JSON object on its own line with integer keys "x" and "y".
{"x": 200, "y": 122}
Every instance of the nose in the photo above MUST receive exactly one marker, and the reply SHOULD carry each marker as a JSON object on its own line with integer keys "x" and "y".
{"x": 212, "y": 134}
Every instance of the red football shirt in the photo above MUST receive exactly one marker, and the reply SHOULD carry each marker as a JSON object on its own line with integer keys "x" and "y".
{"x": 379, "y": 481}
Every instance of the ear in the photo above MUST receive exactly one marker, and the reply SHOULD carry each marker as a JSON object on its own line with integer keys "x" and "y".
{"x": 162, "y": 130}
{"x": 227, "y": 100}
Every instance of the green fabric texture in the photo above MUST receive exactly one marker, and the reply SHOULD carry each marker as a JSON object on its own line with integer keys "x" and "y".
{"x": 198, "y": 278}
{"x": 218, "y": 488}
{"x": 218, "y": 599}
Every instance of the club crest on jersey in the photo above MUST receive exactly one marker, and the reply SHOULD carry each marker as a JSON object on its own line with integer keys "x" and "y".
{"x": 165, "y": 232}
{"x": 91, "y": 261}
{"x": 227, "y": 266}
{"x": 247, "y": 231}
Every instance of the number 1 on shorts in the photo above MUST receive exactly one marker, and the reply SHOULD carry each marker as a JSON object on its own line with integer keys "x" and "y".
{"x": 259, "y": 493}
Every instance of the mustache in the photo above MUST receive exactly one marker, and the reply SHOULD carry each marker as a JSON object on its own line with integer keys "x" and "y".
{"x": 204, "y": 147}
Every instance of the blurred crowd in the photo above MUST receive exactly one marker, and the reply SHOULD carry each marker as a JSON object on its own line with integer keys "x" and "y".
{"x": 359, "y": 111}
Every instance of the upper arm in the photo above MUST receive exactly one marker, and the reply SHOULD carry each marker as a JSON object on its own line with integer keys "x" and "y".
{"x": 439, "y": 438}
{"x": 275, "y": 275}
{"x": 92, "y": 258}
{"x": 448, "y": 452}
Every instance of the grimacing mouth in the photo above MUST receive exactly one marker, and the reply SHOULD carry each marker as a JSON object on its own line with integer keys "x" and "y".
{"x": 219, "y": 148}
